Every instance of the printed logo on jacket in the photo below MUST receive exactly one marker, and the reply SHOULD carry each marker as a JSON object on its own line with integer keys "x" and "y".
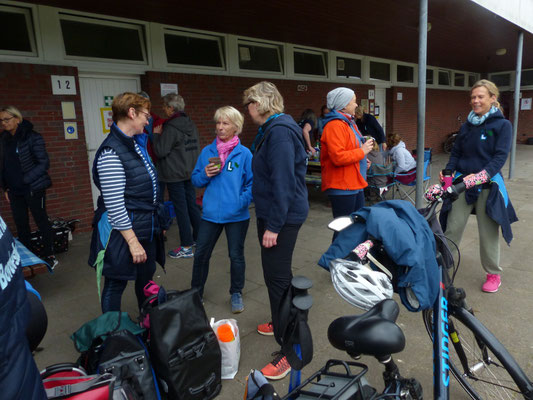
{"x": 9, "y": 266}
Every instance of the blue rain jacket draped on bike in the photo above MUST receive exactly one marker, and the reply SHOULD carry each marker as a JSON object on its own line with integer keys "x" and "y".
{"x": 408, "y": 240}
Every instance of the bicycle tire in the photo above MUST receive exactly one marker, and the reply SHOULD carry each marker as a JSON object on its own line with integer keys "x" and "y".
{"x": 448, "y": 144}
{"x": 500, "y": 378}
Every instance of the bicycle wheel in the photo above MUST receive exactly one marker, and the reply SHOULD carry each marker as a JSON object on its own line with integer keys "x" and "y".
{"x": 490, "y": 371}
{"x": 448, "y": 144}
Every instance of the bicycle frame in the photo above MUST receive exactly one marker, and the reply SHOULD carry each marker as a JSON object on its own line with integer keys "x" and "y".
{"x": 441, "y": 341}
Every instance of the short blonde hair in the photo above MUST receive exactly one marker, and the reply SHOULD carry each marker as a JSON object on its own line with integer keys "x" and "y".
{"x": 14, "y": 111}
{"x": 124, "y": 101}
{"x": 491, "y": 88}
{"x": 267, "y": 97}
{"x": 232, "y": 114}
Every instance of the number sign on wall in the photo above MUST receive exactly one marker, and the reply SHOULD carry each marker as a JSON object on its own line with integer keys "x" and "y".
{"x": 62, "y": 84}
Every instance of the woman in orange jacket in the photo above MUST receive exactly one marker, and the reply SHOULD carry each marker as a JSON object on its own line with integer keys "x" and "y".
{"x": 343, "y": 154}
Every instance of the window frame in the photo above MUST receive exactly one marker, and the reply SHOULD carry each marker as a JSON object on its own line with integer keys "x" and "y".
{"x": 394, "y": 75}
{"x": 99, "y": 20}
{"x": 382, "y": 61}
{"x": 32, "y": 28}
{"x": 260, "y": 43}
{"x": 333, "y": 66}
{"x": 220, "y": 39}
{"x": 450, "y": 76}
{"x": 325, "y": 54}
{"x": 465, "y": 79}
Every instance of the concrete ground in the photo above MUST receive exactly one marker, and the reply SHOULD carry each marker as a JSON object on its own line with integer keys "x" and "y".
{"x": 71, "y": 299}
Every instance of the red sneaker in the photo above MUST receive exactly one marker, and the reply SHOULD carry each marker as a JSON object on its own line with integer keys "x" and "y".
{"x": 492, "y": 283}
{"x": 266, "y": 329}
{"x": 278, "y": 368}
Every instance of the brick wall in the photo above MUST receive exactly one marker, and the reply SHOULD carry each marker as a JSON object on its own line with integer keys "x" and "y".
{"x": 525, "y": 117}
{"x": 28, "y": 87}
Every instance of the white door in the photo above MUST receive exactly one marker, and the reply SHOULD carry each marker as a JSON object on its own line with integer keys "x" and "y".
{"x": 380, "y": 102}
{"x": 93, "y": 91}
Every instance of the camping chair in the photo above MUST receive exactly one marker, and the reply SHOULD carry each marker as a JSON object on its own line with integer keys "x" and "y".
{"x": 406, "y": 191}
{"x": 380, "y": 178}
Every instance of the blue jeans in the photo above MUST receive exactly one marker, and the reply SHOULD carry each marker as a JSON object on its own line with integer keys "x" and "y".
{"x": 183, "y": 197}
{"x": 207, "y": 238}
{"x": 342, "y": 205}
{"x": 113, "y": 288}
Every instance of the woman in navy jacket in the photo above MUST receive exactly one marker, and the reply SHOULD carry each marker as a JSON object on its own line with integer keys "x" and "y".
{"x": 224, "y": 168}
{"x": 481, "y": 148}
{"x": 24, "y": 177}
{"x": 280, "y": 197}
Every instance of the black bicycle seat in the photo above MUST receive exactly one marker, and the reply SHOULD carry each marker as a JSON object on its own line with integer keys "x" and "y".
{"x": 373, "y": 333}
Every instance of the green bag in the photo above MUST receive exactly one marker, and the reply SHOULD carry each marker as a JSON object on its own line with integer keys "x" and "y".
{"x": 101, "y": 326}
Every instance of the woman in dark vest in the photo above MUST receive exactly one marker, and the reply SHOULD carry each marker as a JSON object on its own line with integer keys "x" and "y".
{"x": 24, "y": 177}
{"x": 128, "y": 205}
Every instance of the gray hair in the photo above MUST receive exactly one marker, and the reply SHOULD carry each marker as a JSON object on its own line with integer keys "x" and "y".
{"x": 267, "y": 97}
{"x": 174, "y": 101}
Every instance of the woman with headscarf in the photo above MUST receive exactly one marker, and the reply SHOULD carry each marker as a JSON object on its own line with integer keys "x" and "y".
{"x": 224, "y": 169}
{"x": 479, "y": 153}
{"x": 280, "y": 195}
{"x": 343, "y": 155}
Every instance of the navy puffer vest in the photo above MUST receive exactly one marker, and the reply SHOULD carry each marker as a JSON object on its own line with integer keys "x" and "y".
{"x": 139, "y": 190}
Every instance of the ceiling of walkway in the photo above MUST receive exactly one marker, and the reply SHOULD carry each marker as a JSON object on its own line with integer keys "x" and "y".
{"x": 463, "y": 35}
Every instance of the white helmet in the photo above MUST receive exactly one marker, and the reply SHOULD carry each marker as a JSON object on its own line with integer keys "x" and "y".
{"x": 358, "y": 284}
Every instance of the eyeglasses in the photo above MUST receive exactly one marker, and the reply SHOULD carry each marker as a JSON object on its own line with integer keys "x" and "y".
{"x": 6, "y": 119}
{"x": 146, "y": 114}
{"x": 246, "y": 105}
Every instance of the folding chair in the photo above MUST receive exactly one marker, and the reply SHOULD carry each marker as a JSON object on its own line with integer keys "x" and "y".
{"x": 380, "y": 178}
{"x": 406, "y": 191}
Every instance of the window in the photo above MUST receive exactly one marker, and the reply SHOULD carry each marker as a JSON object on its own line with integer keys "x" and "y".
{"x": 405, "y": 73}
{"x": 503, "y": 79}
{"x": 379, "y": 70}
{"x": 527, "y": 78}
{"x": 17, "y": 31}
{"x": 472, "y": 78}
{"x": 348, "y": 67}
{"x": 308, "y": 62}
{"x": 255, "y": 56}
{"x": 429, "y": 77}
{"x": 459, "y": 79}
{"x": 444, "y": 78}
{"x": 188, "y": 48}
{"x": 102, "y": 39}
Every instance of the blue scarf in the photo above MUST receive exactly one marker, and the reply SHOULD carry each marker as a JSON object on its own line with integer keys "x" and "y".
{"x": 476, "y": 120}
{"x": 261, "y": 132}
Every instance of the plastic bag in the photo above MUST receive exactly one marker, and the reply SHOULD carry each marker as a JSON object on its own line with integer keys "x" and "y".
{"x": 229, "y": 341}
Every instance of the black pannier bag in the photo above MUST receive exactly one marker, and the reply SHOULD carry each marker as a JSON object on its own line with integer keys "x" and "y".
{"x": 183, "y": 347}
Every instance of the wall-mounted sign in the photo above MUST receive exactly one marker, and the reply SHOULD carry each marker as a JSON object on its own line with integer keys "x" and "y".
{"x": 370, "y": 94}
{"x": 107, "y": 119}
{"x": 376, "y": 110}
{"x": 68, "y": 110}
{"x": 108, "y": 100}
{"x": 371, "y": 107}
{"x": 167, "y": 88}
{"x": 399, "y": 96}
{"x": 301, "y": 88}
{"x": 62, "y": 84}
{"x": 71, "y": 130}
{"x": 525, "y": 103}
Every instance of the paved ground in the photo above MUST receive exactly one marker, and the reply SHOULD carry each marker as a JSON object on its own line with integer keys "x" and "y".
{"x": 71, "y": 298}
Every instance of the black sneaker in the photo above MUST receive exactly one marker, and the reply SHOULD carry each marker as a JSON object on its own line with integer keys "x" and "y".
{"x": 52, "y": 262}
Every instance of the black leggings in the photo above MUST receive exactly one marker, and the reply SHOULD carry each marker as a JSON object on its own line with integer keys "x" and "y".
{"x": 36, "y": 203}
{"x": 277, "y": 263}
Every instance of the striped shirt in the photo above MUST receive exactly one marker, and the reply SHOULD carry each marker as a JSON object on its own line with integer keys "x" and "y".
{"x": 113, "y": 183}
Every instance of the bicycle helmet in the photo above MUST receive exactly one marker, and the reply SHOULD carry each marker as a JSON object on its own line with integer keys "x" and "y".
{"x": 359, "y": 285}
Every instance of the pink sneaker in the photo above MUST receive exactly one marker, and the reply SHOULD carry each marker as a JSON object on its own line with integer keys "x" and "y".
{"x": 492, "y": 283}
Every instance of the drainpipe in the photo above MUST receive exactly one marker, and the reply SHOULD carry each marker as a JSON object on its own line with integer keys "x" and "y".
{"x": 516, "y": 101}
{"x": 421, "y": 117}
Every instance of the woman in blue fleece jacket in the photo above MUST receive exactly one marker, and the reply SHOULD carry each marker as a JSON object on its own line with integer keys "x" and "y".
{"x": 280, "y": 197}
{"x": 224, "y": 168}
{"x": 482, "y": 146}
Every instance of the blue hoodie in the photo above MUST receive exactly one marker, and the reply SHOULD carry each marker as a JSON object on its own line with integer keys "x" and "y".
{"x": 279, "y": 165}
{"x": 228, "y": 194}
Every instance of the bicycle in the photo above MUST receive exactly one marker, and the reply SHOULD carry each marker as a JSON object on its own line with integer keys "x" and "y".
{"x": 480, "y": 363}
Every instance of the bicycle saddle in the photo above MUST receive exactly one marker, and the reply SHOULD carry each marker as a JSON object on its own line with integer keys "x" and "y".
{"x": 373, "y": 333}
